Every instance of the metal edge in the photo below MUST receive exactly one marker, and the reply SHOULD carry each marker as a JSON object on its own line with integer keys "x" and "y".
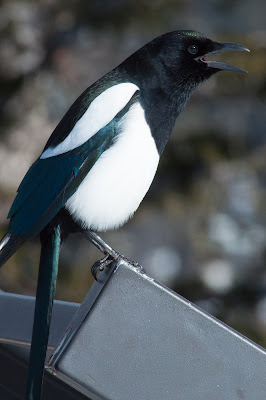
{"x": 81, "y": 314}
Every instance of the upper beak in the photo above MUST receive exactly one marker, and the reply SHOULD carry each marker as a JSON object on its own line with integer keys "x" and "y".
{"x": 220, "y": 65}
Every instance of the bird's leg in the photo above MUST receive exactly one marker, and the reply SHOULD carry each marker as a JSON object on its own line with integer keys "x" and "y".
{"x": 110, "y": 253}
{"x": 101, "y": 244}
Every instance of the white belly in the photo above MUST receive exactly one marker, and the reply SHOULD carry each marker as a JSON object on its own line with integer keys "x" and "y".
{"x": 117, "y": 183}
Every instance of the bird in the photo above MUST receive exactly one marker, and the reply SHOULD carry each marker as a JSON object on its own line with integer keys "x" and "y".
{"x": 102, "y": 157}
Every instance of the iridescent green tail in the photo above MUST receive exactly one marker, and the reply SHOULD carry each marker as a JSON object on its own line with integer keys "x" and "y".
{"x": 43, "y": 310}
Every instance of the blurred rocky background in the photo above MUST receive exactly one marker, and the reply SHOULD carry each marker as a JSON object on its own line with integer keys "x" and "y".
{"x": 202, "y": 227}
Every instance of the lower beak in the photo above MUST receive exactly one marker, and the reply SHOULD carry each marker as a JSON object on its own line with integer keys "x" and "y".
{"x": 220, "y": 65}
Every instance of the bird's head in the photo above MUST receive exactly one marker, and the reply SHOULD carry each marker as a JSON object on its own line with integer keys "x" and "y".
{"x": 184, "y": 55}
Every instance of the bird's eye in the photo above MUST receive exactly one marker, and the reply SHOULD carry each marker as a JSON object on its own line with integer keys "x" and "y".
{"x": 193, "y": 49}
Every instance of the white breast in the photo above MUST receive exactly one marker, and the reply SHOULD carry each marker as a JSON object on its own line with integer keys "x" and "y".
{"x": 117, "y": 183}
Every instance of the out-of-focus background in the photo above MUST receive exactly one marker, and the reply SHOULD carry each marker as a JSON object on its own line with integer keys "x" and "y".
{"x": 201, "y": 230}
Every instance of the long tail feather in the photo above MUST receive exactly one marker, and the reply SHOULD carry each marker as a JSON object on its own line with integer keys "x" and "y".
{"x": 43, "y": 311}
{"x": 9, "y": 245}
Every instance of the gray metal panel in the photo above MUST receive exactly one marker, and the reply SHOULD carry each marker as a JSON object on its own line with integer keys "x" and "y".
{"x": 16, "y": 316}
{"x": 142, "y": 341}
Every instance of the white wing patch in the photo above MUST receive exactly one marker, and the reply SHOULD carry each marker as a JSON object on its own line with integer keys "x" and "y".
{"x": 100, "y": 112}
{"x": 114, "y": 187}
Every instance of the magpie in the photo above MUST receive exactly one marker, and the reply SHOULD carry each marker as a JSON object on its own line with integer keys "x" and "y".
{"x": 100, "y": 160}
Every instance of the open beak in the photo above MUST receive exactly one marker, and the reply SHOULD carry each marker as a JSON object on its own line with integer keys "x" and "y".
{"x": 220, "y": 65}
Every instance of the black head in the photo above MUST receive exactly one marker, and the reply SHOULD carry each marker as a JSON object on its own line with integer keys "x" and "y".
{"x": 181, "y": 56}
{"x": 184, "y": 55}
{"x": 167, "y": 70}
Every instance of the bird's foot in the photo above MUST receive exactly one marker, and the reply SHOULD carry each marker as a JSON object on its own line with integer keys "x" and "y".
{"x": 99, "y": 265}
{"x": 110, "y": 254}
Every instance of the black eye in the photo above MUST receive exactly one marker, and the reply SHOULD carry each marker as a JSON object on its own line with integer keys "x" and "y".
{"x": 193, "y": 49}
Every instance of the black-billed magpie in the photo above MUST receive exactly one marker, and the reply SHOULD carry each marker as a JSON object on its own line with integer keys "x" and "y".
{"x": 100, "y": 160}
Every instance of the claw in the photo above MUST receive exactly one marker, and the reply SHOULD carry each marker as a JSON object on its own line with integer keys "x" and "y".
{"x": 99, "y": 265}
{"x": 135, "y": 264}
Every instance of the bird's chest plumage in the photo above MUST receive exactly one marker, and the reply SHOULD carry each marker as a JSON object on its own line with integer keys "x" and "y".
{"x": 117, "y": 183}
